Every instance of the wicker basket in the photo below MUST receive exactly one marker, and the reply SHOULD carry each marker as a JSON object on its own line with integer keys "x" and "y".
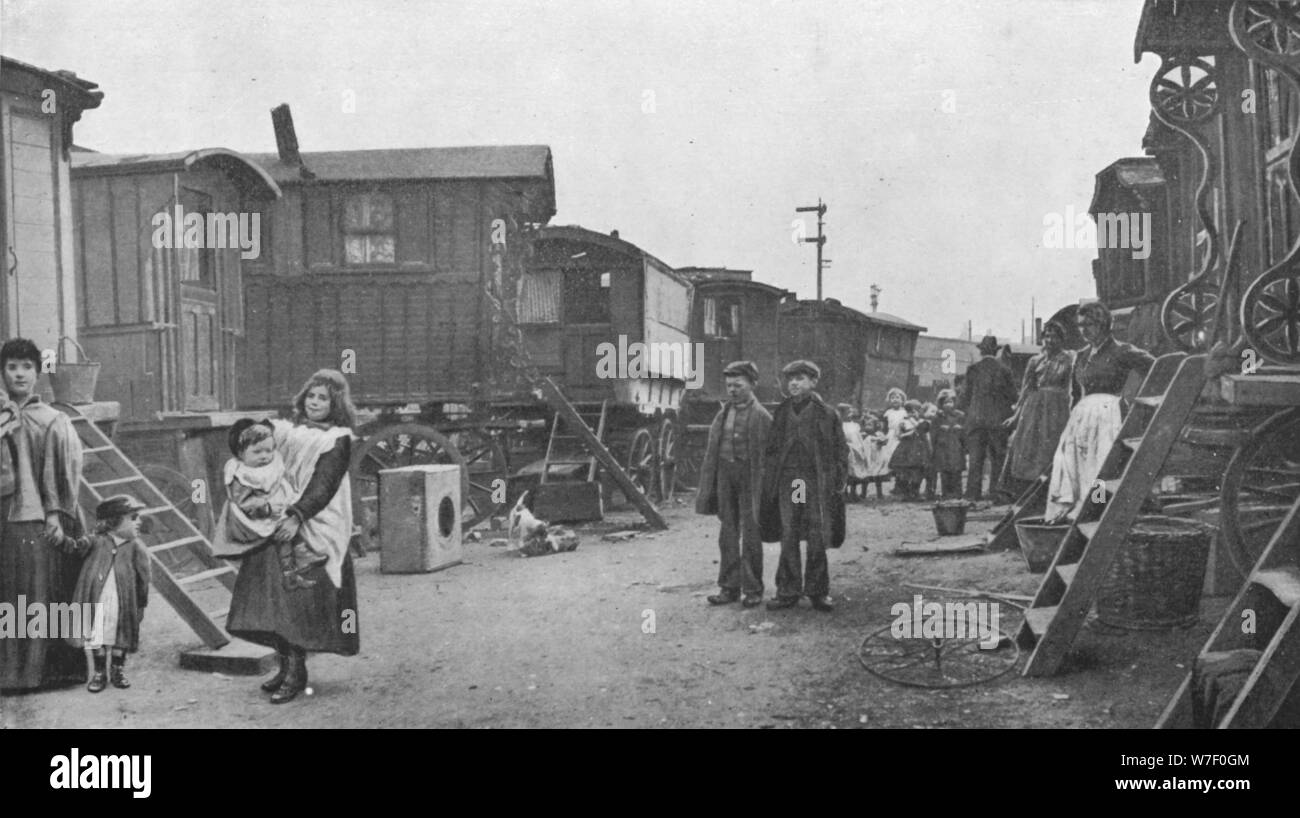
{"x": 1155, "y": 578}
{"x": 74, "y": 383}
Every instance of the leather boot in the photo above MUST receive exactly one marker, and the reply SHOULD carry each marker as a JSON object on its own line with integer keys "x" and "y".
{"x": 295, "y": 678}
{"x": 97, "y": 679}
{"x": 273, "y": 684}
{"x": 117, "y": 671}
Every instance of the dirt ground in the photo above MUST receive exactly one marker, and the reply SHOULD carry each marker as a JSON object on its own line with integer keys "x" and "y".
{"x": 562, "y": 641}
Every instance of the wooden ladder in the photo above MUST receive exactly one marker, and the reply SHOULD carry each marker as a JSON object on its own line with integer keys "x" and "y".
{"x": 1272, "y": 595}
{"x": 194, "y": 582}
{"x": 565, "y": 410}
{"x": 1131, "y": 469}
{"x": 556, "y": 458}
{"x": 1031, "y": 502}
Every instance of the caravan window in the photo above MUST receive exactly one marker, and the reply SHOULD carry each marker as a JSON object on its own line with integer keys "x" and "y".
{"x": 368, "y": 233}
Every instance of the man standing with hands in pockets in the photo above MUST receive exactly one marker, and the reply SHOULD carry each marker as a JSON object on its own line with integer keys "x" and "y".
{"x": 731, "y": 480}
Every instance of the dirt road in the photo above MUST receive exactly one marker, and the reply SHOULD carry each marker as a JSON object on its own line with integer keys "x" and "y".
{"x": 619, "y": 635}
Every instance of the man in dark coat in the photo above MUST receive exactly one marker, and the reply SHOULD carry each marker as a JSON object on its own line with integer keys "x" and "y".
{"x": 731, "y": 483}
{"x": 806, "y": 466}
{"x": 987, "y": 400}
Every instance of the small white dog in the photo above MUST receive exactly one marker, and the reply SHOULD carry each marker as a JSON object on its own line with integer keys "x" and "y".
{"x": 532, "y": 537}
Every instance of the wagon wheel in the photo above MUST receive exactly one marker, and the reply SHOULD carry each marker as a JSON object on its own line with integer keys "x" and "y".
{"x": 640, "y": 463}
{"x": 1270, "y": 316}
{"x": 1186, "y": 89}
{"x": 1187, "y": 314}
{"x": 1259, "y": 488}
{"x": 179, "y": 491}
{"x": 666, "y": 472}
{"x": 415, "y": 444}
{"x": 936, "y": 663}
{"x": 486, "y": 463}
{"x": 690, "y": 459}
{"x": 1266, "y": 30}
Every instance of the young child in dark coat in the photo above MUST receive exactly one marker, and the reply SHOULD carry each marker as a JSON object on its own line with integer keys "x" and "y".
{"x": 114, "y": 583}
{"x": 948, "y": 442}
{"x": 911, "y": 459}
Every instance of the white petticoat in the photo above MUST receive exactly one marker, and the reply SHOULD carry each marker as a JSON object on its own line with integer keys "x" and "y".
{"x": 1089, "y": 434}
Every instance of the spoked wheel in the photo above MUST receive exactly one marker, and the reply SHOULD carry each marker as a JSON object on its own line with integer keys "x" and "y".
{"x": 486, "y": 464}
{"x": 690, "y": 459}
{"x": 1259, "y": 488}
{"x": 640, "y": 463}
{"x": 180, "y": 492}
{"x": 415, "y": 444}
{"x": 936, "y": 663}
{"x": 666, "y": 484}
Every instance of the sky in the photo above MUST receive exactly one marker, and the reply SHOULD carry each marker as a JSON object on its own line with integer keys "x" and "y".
{"x": 941, "y": 135}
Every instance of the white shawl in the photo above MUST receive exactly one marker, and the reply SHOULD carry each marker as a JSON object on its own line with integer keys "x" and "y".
{"x": 330, "y": 531}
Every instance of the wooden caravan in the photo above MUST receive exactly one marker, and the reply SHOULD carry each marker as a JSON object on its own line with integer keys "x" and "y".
{"x": 37, "y": 111}
{"x": 378, "y": 265}
{"x": 162, "y": 242}
{"x": 590, "y": 299}
{"x": 735, "y": 318}
{"x": 861, "y": 355}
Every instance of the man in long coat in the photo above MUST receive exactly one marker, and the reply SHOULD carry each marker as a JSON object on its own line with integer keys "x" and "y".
{"x": 988, "y": 400}
{"x": 804, "y": 473}
{"x": 731, "y": 483}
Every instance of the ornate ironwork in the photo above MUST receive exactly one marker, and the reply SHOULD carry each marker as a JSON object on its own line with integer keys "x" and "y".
{"x": 1269, "y": 33}
{"x": 1184, "y": 94}
{"x": 1186, "y": 89}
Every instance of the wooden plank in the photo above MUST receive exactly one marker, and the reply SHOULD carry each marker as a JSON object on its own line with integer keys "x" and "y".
{"x": 1261, "y": 390}
{"x": 561, "y": 405}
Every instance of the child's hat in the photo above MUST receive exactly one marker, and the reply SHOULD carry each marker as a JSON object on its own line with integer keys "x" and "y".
{"x": 237, "y": 430}
{"x": 802, "y": 367}
{"x": 118, "y": 506}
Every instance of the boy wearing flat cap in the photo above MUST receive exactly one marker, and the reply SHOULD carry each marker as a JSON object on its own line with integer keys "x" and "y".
{"x": 806, "y": 465}
{"x": 731, "y": 482}
{"x": 115, "y": 581}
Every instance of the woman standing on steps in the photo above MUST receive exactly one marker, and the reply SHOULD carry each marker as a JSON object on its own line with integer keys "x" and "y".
{"x": 316, "y": 447}
{"x": 1099, "y": 372}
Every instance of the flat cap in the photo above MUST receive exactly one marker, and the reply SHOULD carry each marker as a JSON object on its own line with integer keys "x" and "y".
{"x": 118, "y": 506}
{"x": 801, "y": 367}
{"x": 737, "y": 369}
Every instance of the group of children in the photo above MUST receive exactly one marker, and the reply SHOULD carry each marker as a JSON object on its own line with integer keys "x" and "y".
{"x": 910, "y": 441}
{"x": 115, "y": 572}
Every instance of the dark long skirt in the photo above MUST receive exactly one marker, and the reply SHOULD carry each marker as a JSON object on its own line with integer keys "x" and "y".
{"x": 39, "y": 574}
{"x": 321, "y": 619}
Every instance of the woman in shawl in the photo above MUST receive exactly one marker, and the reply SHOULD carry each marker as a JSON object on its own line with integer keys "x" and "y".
{"x": 40, "y": 473}
{"x": 316, "y": 448}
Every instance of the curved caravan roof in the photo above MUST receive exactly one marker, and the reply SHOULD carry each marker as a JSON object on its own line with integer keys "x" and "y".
{"x": 607, "y": 241}
{"x": 240, "y": 167}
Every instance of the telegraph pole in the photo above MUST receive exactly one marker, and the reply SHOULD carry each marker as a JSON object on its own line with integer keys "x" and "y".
{"x": 820, "y": 241}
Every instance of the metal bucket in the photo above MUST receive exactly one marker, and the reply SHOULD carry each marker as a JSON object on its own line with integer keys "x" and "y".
{"x": 1039, "y": 542}
{"x": 950, "y": 516}
{"x": 74, "y": 383}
